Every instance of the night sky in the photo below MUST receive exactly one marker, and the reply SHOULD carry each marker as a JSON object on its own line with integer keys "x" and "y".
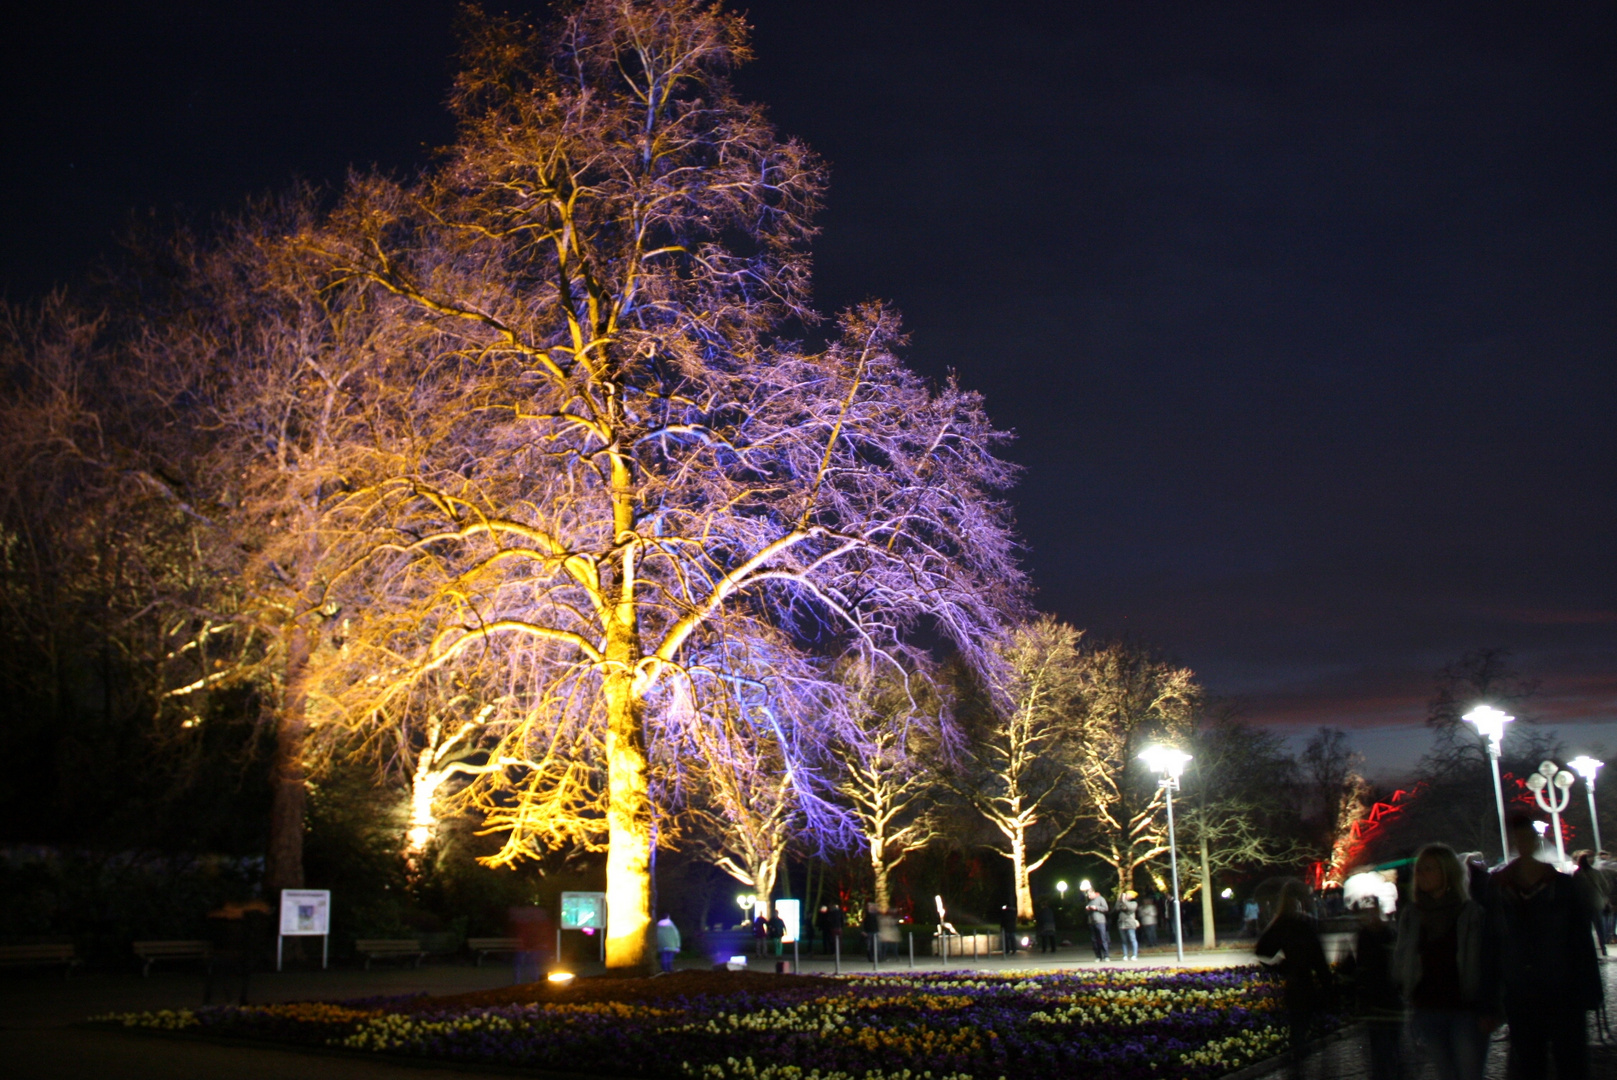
{"x": 1305, "y": 315}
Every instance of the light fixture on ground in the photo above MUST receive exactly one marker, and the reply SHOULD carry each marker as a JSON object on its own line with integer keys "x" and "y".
{"x": 1490, "y": 724}
{"x": 1586, "y": 767}
{"x": 1552, "y": 789}
{"x": 1168, "y": 764}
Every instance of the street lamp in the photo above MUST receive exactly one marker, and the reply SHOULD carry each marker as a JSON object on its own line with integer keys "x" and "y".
{"x": 1490, "y": 724}
{"x": 746, "y": 901}
{"x": 1586, "y": 767}
{"x": 1552, "y": 789}
{"x": 1061, "y": 887}
{"x": 1168, "y": 764}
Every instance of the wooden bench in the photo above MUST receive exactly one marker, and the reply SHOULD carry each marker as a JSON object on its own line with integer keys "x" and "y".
{"x": 390, "y": 949}
{"x": 152, "y": 951}
{"x": 38, "y": 956}
{"x": 488, "y": 946}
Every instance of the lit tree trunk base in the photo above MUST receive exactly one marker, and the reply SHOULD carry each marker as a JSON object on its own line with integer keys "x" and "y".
{"x": 629, "y": 835}
{"x": 283, "y": 861}
{"x": 1024, "y": 885}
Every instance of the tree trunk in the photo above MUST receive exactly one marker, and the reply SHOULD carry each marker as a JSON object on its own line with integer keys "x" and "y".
{"x": 878, "y": 869}
{"x": 283, "y": 863}
{"x": 1024, "y": 887}
{"x": 1209, "y": 930}
{"x": 628, "y": 826}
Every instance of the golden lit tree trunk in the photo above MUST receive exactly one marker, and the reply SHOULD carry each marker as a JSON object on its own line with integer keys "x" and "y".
{"x": 283, "y": 864}
{"x": 1024, "y": 885}
{"x": 628, "y": 812}
{"x": 879, "y": 870}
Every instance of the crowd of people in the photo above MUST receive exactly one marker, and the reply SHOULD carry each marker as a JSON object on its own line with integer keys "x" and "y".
{"x": 1467, "y": 950}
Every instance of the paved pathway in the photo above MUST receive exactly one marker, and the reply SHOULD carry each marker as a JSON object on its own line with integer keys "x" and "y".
{"x": 1348, "y": 1059}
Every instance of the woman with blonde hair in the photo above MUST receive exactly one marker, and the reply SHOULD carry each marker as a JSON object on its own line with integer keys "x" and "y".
{"x": 1441, "y": 966}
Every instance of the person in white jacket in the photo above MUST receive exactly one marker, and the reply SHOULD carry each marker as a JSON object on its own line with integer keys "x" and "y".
{"x": 667, "y": 943}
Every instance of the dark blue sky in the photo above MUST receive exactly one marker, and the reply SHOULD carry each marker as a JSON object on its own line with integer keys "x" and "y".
{"x": 1306, "y": 315}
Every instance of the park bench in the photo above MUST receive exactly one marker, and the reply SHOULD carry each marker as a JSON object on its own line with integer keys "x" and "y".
{"x": 150, "y": 952}
{"x": 488, "y": 946}
{"x": 38, "y": 956}
{"x": 390, "y": 949}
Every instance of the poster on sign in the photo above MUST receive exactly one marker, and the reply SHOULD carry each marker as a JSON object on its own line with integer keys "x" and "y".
{"x": 305, "y": 912}
{"x": 583, "y": 911}
{"x": 791, "y": 913}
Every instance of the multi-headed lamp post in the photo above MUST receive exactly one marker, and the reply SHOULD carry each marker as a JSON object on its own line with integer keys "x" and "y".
{"x": 1586, "y": 767}
{"x": 1168, "y": 763}
{"x": 1552, "y": 789}
{"x": 1490, "y": 724}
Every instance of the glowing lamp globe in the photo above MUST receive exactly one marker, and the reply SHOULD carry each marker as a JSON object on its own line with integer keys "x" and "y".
{"x": 1585, "y": 766}
{"x": 1165, "y": 760}
{"x": 1489, "y": 722}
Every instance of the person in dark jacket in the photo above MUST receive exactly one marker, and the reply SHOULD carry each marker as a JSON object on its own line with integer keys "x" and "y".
{"x": 1376, "y": 1000}
{"x": 1007, "y": 928}
{"x": 775, "y": 928}
{"x": 1047, "y": 928}
{"x": 1595, "y": 892}
{"x": 831, "y": 920}
{"x": 1444, "y": 963}
{"x": 1096, "y": 911}
{"x": 1547, "y": 964}
{"x": 872, "y": 929}
{"x": 1291, "y": 943}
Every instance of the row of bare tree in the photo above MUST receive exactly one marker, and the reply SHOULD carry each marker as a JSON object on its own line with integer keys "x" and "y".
{"x": 518, "y": 478}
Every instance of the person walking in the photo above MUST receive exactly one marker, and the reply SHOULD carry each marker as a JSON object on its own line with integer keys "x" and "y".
{"x": 1148, "y": 919}
{"x": 1443, "y": 968}
{"x": 872, "y": 929}
{"x": 1249, "y": 917}
{"x": 1377, "y": 1002}
{"x": 1595, "y": 893}
{"x": 1096, "y": 910}
{"x": 775, "y": 930}
{"x": 1291, "y": 943}
{"x": 1047, "y": 928}
{"x": 1007, "y": 929}
{"x": 1128, "y": 924}
{"x": 832, "y": 922}
{"x": 667, "y": 943}
{"x": 1548, "y": 970}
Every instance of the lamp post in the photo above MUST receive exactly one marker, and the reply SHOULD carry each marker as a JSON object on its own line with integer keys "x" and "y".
{"x": 1061, "y": 889}
{"x": 1586, "y": 767}
{"x": 1552, "y": 789}
{"x": 1490, "y": 724}
{"x": 1168, "y": 764}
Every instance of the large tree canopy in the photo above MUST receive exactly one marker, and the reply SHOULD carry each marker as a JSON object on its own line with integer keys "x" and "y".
{"x": 622, "y": 464}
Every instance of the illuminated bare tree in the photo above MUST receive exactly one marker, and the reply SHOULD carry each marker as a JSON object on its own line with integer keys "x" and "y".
{"x": 621, "y": 461}
{"x": 886, "y": 756}
{"x": 1131, "y": 699}
{"x": 1021, "y": 749}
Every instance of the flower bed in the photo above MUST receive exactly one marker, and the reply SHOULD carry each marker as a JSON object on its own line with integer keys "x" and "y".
{"x": 1132, "y": 1023}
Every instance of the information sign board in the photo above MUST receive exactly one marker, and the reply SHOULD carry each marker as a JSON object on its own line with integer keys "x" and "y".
{"x": 791, "y": 913}
{"x": 583, "y": 911}
{"x": 305, "y": 912}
